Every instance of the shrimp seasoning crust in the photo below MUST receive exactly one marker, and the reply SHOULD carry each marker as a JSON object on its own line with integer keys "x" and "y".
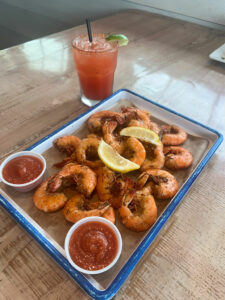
{"x": 163, "y": 184}
{"x": 110, "y": 137}
{"x": 67, "y": 144}
{"x": 154, "y": 157}
{"x": 96, "y": 121}
{"x": 87, "y": 152}
{"x": 47, "y": 201}
{"x": 177, "y": 158}
{"x": 82, "y": 177}
{"x": 134, "y": 151}
{"x": 136, "y": 117}
{"x": 79, "y": 207}
{"x": 138, "y": 211}
{"x": 111, "y": 187}
{"x": 173, "y": 135}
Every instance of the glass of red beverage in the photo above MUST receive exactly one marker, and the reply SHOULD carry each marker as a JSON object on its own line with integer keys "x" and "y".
{"x": 95, "y": 63}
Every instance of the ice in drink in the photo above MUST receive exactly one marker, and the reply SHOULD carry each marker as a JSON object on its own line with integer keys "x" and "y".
{"x": 96, "y": 64}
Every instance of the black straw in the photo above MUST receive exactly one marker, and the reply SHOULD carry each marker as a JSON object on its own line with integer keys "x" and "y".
{"x": 89, "y": 30}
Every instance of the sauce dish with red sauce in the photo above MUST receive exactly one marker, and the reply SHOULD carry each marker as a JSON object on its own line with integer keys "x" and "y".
{"x": 23, "y": 170}
{"x": 93, "y": 245}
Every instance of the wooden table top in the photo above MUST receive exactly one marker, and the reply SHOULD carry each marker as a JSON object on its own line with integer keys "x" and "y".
{"x": 167, "y": 61}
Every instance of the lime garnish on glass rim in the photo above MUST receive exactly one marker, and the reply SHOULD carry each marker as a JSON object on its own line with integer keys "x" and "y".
{"x": 120, "y": 38}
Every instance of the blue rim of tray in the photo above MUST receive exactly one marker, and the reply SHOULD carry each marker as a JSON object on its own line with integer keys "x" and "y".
{"x": 141, "y": 249}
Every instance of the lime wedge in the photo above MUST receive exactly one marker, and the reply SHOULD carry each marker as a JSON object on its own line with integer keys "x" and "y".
{"x": 113, "y": 160}
{"x": 142, "y": 134}
{"x": 120, "y": 38}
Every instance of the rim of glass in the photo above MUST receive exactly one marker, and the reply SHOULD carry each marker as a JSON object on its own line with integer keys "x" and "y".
{"x": 114, "y": 48}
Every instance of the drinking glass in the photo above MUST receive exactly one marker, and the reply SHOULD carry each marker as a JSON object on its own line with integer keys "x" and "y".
{"x": 95, "y": 63}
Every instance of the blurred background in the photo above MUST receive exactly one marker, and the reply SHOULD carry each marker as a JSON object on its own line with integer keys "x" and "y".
{"x": 25, "y": 20}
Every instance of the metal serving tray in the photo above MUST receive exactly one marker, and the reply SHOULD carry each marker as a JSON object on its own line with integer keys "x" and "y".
{"x": 202, "y": 142}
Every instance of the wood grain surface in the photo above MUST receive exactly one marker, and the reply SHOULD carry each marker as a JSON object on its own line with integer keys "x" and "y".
{"x": 167, "y": 61}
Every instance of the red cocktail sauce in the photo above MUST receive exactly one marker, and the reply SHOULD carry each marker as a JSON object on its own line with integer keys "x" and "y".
{"x": 22, "y": 169}
{"x": 93, "y": 246}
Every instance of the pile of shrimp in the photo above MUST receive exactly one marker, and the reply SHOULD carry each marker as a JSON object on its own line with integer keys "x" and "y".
{"x": 84, "y": 186}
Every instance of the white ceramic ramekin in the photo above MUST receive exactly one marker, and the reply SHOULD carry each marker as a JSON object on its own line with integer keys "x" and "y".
{"x": 93, "y": 219}
{"x": 25, "y": 187}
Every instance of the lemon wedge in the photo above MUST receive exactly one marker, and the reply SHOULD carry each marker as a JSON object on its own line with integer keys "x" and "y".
{"x": 113, "y": 160}
{"x": 142, "y": 134}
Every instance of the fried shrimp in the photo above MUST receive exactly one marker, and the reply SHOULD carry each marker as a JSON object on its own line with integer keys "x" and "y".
{"x": 138, "y": 211}
{"x": 139, "y": 118}
{"x": 79, "y": 207}
{"x": 154, "y": 157}
{"x": 82, "y": 177}
{"x": 164, "y": 185}
{"x": 110, "y": 215}
{"x": 177, "y": 158}
{"x": 87, "y": 152}
{"x": 111, "y": 187}
{"x": 173, "y": 135}
{"x": 93, "y": 135}
{"x": 96, "y": 121}
{"x": 134, "y": 151}
{"x": 67, "y": 144}
{"x": 110, "y": 137}
{"x": 136, "y": 117}
{"x": 154, "y": 127}
{"x": 129, "y": 147}
{"x": 47, "y": 201}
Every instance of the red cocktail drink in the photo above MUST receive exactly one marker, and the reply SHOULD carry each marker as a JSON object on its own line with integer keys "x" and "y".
{"x": 96, "y": 64}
